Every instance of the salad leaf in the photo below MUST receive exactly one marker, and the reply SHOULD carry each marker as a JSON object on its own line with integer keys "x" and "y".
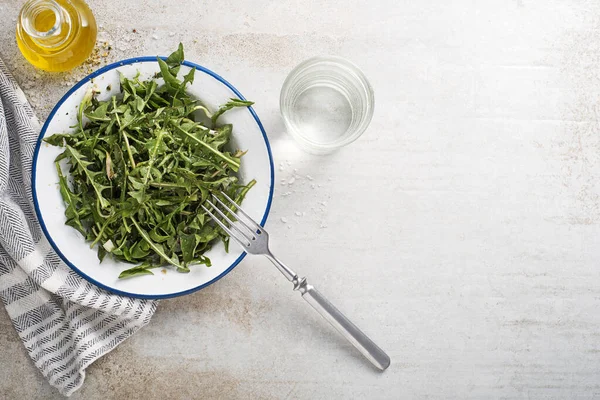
{"x": 140, "y": 166}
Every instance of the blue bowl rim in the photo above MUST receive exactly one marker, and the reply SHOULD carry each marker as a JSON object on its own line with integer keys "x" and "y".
{"x": 43, "y": 131}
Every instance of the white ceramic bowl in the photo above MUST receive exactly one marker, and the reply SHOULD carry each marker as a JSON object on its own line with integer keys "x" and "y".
{"x": 248, "y": 134}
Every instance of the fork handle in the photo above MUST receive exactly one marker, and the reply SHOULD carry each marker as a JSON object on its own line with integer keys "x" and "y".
{"x": 339, "y": 321}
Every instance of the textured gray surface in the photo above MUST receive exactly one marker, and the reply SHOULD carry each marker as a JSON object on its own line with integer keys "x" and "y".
{"x": 461, "y": 231}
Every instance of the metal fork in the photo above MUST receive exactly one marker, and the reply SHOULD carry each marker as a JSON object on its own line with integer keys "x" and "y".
{"x": 255, "y": 240}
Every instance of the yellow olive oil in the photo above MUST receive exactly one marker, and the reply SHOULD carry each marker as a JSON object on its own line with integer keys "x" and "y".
{"x": 56, "y": 35}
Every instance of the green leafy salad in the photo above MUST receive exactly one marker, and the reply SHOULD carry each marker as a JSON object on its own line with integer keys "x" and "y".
{"x": 141, "y": 165}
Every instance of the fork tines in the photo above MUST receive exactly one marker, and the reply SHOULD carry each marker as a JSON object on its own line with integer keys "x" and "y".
{"x": 242, "y": 228}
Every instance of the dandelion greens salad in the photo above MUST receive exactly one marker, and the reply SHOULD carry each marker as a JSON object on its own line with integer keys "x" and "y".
{"x": 140, "y": 166}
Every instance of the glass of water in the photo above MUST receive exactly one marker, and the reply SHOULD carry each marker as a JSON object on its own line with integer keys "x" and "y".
{"x": 326, "y": 103}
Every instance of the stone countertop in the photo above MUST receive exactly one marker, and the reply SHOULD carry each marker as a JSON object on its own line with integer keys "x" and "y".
{"x": 460, "y": 232}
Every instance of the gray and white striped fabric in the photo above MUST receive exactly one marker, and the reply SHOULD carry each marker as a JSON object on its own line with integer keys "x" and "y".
{"x": 64, "y": 321}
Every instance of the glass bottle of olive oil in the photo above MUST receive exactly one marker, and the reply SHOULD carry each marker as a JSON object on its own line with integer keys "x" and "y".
{"x": 56, "y": 35}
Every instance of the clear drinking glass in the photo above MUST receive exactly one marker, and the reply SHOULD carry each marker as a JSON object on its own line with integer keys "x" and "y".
{"x": 326, "y": 103}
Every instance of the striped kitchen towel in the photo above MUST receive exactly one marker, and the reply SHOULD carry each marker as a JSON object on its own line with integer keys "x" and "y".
{"x": 64, "y": 321}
